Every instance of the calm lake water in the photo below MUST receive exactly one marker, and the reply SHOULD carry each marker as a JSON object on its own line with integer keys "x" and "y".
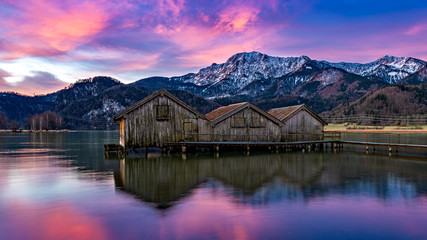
{"x": 60, "y": 186}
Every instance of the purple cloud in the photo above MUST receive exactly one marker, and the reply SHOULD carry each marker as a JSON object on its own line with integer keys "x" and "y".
{"x": 38, "y": 83}
{"x": 130, "y": 39}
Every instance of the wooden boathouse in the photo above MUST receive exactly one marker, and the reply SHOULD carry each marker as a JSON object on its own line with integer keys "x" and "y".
{"x": 299, "y": 120}
{"x": 159, "y": 118}
{"x": 162, "y": 120}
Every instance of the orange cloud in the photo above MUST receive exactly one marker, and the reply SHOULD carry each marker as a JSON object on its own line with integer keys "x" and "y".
{"x": 237, "y": 18}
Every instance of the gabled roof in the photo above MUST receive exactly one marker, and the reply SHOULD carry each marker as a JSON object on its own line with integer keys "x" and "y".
{"x": 220, "y": 114}
{"x": 151, "y": 97}
{"x": 222, "y": 110}
{"x": 284, "y": 113}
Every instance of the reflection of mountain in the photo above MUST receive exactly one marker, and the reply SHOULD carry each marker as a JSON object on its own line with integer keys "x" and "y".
{"x": 263, "y": 179}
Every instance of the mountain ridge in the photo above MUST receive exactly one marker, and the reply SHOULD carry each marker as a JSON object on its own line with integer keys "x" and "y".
{"x": 256, "y": 77}
{"x": 240, "y": 71}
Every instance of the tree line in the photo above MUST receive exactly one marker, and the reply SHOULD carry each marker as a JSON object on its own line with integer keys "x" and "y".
{"x": 43, "y": 121}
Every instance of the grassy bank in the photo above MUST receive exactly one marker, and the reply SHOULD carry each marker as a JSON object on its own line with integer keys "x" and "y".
{"x": 366, "y": 128}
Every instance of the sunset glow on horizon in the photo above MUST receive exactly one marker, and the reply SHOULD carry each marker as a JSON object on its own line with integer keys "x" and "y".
{"x": 45, "y": 45}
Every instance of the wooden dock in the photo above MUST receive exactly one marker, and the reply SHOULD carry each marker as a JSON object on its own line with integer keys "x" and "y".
{"x": 305, "y": 145}
{"x": 237, "y": 144}
{"x": 217, "y": 146}
{"x": 389, "y": 145}
{"x": 115, "y": 148}
{"x": 332, "y": 140}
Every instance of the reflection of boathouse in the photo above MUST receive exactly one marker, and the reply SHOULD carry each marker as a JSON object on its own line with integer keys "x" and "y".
{"x": 265, "y": 178}
{"x": 162, "y": 119}
{"x": 165, "y": 180}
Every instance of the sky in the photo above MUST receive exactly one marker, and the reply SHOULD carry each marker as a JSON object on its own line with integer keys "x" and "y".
{"x": 47, "y": 44}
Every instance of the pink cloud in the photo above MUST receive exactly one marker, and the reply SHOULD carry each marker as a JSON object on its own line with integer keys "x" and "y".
{"x": 414, "y": 30}
{"x": 46, "y": 28}
{"x": 203, "y": 38}
{"x": 38, "y": 83}
{"x": 3, "y": 75}
{"x": 237, "y": 18}
{"x": 173, "y": 6}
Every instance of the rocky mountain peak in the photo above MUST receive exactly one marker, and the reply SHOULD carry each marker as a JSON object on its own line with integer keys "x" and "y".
{"x": 390, "y": 59}
{"x": 255, "y": 73}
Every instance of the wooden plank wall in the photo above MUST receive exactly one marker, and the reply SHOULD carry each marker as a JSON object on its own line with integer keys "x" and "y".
{"x": 143, "y": 129}
{"x": 302, "y": 122}
{"x": 269, "y": 132}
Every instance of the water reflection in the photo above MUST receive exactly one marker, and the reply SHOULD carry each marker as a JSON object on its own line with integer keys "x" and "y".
{"x": 60, "y": 186}
{"x": 268, "y": 178}
{"x": 82, "y": 150}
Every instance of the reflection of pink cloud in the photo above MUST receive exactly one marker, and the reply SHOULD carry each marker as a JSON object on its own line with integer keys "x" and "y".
{"x": 212, "y": 214}
{"x": 51, "y": 221}
{"x": 49, "y": 27}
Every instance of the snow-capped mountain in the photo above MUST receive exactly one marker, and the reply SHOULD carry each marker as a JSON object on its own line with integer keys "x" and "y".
{"x": 255, "y": 74}
{"x": 248, "y": 67}
{"x": 416, "y": 78}
{"x": 389, "y": 68}
{"x": 240, "y": 74}
{"x": 267, "y": 81}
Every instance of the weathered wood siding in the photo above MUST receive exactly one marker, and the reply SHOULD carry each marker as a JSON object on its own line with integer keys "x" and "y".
{"x": 151, "y": 125}
{"x": 301, "y": 122}
{"x": 247, "y": 125}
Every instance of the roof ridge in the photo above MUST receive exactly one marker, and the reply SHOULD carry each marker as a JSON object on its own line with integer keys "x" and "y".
{"x": 212, "y": 116}
{"x": 152, "y": 96}
{"x": 283, "y": 113}
{"x": 298, "y": 105}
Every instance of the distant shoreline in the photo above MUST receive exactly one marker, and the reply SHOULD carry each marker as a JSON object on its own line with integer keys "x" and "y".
{"x": 378, "y": 130}
{"x": 34, "y": 131}
{"x": 414, "y": 131}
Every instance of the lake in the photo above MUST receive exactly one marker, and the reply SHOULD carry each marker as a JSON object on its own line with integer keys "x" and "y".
{"x": 61, "y": 186}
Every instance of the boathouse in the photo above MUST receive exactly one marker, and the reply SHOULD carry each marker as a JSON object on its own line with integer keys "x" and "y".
{"x": 244, "y": 122}
{"x": 299, "y": 120}
{"x": 159, "y": 118}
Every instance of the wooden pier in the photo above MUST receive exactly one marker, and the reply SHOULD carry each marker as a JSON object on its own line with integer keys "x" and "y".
{"x": 115, "y": 148}
{"x": 305, "y": 145}
{"x": 390, "y": 146}
{"x": 305, "y": 142}
{"x": 248, "y": 145}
